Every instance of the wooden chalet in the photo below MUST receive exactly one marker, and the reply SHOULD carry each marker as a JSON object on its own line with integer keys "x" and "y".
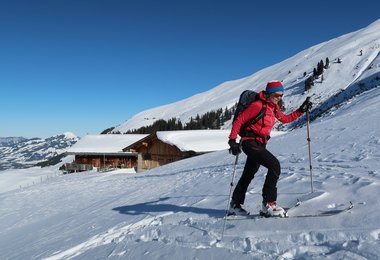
{"x": 164, "y": 147}
{"x": 105, "y": 152}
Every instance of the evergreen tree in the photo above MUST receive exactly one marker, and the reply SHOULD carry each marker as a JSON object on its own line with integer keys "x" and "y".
{"x": 327, "y": 63}
{"x": 315, "y": 74}
{"x": 227, "y": 114}
{"x": 107, "y": 131}
{"x": 309, "y": 82}
{"x": 320, "y": 68}
{"x": 211, "y": 120}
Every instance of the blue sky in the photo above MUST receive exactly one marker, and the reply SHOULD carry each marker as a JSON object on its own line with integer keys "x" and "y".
{"x": 86, "y": 65}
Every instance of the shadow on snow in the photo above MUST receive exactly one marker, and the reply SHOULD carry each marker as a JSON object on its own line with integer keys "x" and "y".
{"x": 156, "y": 206}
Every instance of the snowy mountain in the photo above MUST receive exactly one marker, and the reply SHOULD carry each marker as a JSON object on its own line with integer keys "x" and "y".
{"x": 8, "y": 141}
{"x": 176, "y": 211}
{"x": 358, "y": 70}
{"x": 19, "y": 152}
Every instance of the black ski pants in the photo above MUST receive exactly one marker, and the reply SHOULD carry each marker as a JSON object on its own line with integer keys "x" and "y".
{"x": 258, "y": 155}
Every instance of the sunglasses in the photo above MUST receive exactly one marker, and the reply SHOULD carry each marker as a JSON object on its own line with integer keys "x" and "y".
{"x": 277, "y": 95}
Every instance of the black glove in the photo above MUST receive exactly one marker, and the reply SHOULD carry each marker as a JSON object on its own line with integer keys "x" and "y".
{"x": 234, "y": 147}
{"x": 306, "y": 105}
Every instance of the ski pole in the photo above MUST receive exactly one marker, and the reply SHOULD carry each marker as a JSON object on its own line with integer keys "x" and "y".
{"x": 308, "y": 141}
{"x": 229, "y": 197}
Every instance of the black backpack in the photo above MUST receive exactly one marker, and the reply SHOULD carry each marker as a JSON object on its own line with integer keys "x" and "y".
{"x": 245, "y": 99}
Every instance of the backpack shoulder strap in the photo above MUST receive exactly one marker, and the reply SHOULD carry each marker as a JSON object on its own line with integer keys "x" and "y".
{"x": 260, "y": 115}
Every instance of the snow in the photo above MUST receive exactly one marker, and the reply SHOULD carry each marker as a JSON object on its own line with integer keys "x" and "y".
{"x": 70, "y": 135}
{"x": 196, "y": 140}
{"x": 199, "y": 140}
{"x": 175, "y": 211}
{"x": 20, "y": 178}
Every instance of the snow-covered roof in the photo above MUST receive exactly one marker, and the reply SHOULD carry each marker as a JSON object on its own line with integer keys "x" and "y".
{"x": 104, "y": 143}
{"x": 200, "y": 140}
{"x": 196, "y": 140}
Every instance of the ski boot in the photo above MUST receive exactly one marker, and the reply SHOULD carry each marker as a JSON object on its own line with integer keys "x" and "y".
{"x": 236, "y": 210}
{"x": 270, "y": 209}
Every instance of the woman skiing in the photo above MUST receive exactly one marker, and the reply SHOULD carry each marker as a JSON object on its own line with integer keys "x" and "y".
{"x": 254, "y": 137}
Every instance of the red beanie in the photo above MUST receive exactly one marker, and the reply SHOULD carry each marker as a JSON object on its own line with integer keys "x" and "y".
{"x": 274, "y": 86}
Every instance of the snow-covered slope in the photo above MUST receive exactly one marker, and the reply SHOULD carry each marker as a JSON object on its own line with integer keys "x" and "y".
{"x": 175, "y": 211}
{"x": 22, "y": 152}
{"x": 353, "y": 70}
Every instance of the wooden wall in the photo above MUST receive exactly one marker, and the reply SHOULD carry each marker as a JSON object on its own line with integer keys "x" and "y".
{"x": 154, "y": 153}
{"x": 107, "y": 161}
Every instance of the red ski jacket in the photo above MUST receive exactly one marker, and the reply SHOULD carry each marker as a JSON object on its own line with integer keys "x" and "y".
{"x": 263, "y": 127}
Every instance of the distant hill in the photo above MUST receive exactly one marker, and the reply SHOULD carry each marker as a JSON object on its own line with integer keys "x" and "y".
{"x": 20, "y": 152}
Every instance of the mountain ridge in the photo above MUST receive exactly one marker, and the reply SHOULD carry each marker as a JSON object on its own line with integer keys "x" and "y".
{"x": 291, "y": 71}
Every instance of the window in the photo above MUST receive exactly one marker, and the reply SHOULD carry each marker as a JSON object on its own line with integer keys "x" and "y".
{"x": 147, "y": 156}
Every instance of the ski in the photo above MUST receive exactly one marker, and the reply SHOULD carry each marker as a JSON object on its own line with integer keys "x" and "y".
{"x": 260, "y": 215}
{"x": 295, "y": 205}
{"x": 326, "y": 213}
